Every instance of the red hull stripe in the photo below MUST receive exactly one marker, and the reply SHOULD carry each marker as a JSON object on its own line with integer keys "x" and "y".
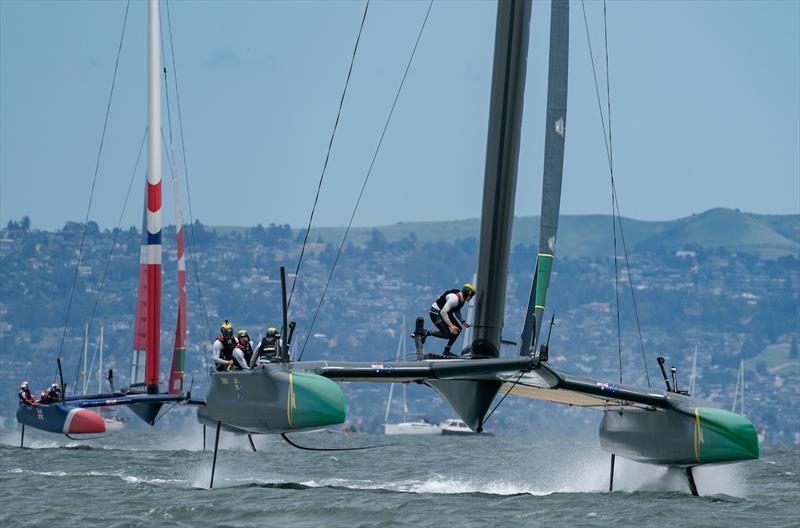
{"x": 81, "y": 421}
{"x": 154, "y": 197}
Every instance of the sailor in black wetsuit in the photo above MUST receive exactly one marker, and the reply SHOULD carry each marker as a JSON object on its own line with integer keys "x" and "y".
{"x": 446, "y": 315}
{"x": 269, "y": 349}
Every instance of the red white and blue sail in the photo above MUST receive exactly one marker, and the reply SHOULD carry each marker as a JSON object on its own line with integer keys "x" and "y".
{"x": 179, "y": 348}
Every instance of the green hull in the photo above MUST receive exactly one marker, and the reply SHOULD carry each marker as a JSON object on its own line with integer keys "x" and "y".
{"x": 272, "y": 399}
{"x": 685, "y": 437}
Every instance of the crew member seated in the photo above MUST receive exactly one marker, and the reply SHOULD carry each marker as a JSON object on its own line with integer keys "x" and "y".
{"x": 223, "y": 347}
{"x": 25, "y": 396}
{"x": 51, "y": 395}
{"x": 269, "y": 349}
{"x": 244, "y": 347}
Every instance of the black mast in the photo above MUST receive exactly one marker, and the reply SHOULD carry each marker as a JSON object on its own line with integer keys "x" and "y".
{"x": 500, "y": 181}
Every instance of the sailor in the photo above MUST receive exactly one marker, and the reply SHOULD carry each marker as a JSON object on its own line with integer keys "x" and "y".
{"x": 51, "y": 394}
{"x": 244, "y": 347}
{"x": 224, "y": 345}
{"x": 269, "y": 348}
{"x": 446, "y": 315}
{"x": 25, "y": 396}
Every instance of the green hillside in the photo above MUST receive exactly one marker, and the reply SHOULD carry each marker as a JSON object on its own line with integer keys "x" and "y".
{"x": 768, "y": 236}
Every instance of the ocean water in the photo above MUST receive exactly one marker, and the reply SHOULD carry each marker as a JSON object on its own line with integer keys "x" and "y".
{"x": 161, "y": 479}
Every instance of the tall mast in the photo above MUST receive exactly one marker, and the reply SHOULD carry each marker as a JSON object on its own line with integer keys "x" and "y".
{"x": 100, "y": 364}
{"x": 153, "y": 249}
{"x": 85, "y": 354}
{"x": 555, "y": 132}
{"x": 500, "y": 180}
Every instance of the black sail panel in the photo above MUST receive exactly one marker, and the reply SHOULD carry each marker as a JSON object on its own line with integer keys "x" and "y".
{"x": 555, "y": 131}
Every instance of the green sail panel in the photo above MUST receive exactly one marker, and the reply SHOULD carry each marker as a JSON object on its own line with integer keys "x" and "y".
{"x": 544, "y": 263}
{"x": 555, "y": 132}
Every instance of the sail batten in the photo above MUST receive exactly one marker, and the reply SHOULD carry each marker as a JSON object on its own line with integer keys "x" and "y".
{"x": 555, "y": 132}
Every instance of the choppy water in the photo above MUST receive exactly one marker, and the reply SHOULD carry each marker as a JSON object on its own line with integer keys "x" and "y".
{"x": 161, "y": 479}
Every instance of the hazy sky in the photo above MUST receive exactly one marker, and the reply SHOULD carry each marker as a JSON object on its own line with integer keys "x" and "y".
{"x": 705, "y": 109}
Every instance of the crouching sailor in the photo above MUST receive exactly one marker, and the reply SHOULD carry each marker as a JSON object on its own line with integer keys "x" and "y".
{"x": 446, "y": 315}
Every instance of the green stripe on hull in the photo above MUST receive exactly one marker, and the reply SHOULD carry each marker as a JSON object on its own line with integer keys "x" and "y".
{"x": 723, "y": 436}
{"x": 314, "y": 401}
{"x": 544, "y": 264}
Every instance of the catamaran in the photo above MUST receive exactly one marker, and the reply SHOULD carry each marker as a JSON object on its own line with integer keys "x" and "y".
{"x": 72, "y": 415}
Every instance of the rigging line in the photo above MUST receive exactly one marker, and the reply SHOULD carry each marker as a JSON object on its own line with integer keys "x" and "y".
{"x": 366, "y": 178}
{"x": 160, "y": 416}
{"x": 616, "y": 218}
{"x": 616, "y": 284}
{"x": 633, "y": 294}
{"x": 94, "y": 179}
{"x": 614, "y": 200}
{"x": 616, "y": 197}
{"x": 596, "y": 86}
{"x": 304, "y": 448}
{"x": 193, "y": 252}
{"x": 608, "y": 99}
{"x": 114, "y": 242}
{"x": 327, "y": 156}
{"x": 521, "y": 373}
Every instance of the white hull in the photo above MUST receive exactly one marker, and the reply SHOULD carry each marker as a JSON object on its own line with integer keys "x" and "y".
{"x": 411, "y": 428}
{"x": 455, "y": 427}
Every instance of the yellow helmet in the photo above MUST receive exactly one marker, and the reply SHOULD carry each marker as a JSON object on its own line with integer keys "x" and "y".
{"x": 271, "y": 331}
{"x": 226, "y": 329}
{"x": 242, "y": 333}
{"x": 468, "y": 289}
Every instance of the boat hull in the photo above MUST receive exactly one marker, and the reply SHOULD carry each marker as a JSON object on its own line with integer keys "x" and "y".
{"x": 61, "y": 418}
{"x": 411, "y": 428}
{"x": 683, "y": 437}
{"x": 272, "y": 399}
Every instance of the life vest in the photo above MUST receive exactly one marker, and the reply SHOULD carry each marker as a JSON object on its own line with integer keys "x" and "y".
{"x": 227, "y": 348}
{"x": 25, "y": 396}
{"x": 54, "y": 394}
{"x": 269, "y": 347}
{"x": 440, "y": 302}
{"x": 247, "y": 351}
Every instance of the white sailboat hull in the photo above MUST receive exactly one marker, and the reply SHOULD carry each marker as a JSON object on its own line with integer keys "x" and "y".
{"x": 411, "y": 428}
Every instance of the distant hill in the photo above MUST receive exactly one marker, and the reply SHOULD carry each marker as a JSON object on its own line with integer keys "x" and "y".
{"x": 768, "y": 236}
